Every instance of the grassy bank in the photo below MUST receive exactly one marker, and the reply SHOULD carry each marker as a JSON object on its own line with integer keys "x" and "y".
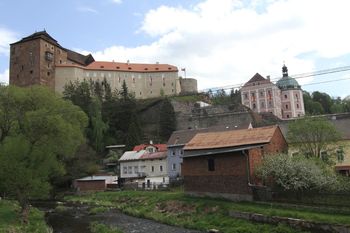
{"x": 175, "y": 208}
{"x": 10, "y": 221}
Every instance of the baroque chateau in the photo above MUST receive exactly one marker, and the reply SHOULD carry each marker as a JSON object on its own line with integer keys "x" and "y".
{"x": 40, "y": 59}
{"x": 283, "y": 99}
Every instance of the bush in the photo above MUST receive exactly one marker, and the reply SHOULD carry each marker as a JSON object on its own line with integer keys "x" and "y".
{"x": 299, "y": 173}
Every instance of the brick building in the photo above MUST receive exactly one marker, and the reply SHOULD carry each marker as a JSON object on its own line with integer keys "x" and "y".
{"x": 222, "y": 164}
{"x": 40, "y": 60}
{"x": 283, "y": 99}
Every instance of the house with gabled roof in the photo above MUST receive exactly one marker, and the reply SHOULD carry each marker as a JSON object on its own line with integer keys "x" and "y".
{"x": 178, "y": 140}
{"x": 145, "y": 165}
{"x": 222, "y": 164}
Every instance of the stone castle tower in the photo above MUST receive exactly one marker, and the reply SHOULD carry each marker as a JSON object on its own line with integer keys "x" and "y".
{"x": 33, "y": 60}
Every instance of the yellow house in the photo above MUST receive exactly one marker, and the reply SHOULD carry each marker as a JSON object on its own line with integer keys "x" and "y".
{"x": 341, "y": 154}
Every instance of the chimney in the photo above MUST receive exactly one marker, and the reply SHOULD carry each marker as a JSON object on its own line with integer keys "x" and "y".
{"x": 150, "y": 142}
{"x": 268, "y": 77}
{"x": 128, "y": 62}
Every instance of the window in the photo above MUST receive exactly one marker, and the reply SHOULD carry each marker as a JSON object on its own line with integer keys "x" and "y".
{"x": 296, "y": 96}
{"x": 245, "y": 96}
{"x": 173, "y": 153}
{"x": 152, "y": 168}
{"x": 31, "y": 71}
{"x": 60, "y": 61}
{"x": 161, "y": 168}
{"x": 270, "y": 104}
{"x": 287, "y": 116}
{"x": 182, "y": 152}
{"x": 48, "y": 56}
{"x": 130, "y": 169}
{"x": 136, "y": 169}
{"x": 125, "y": 170}
{"x": 173, "y": 167}
{"x": 254, "y": 106}
{"x": 285, "y": 96}
{"x": 340, "y": 154}
{"x": 262, "y": 104}
{"x": 286, "y": 106}
{"x": 297, "y": 105}
{"x": 211, "y": 164}
{"x": 48, "y": 73}
{"x": 261, "y": 94}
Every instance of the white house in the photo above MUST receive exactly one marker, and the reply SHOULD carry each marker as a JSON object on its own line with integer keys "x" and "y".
{"x": 146, "y": 165}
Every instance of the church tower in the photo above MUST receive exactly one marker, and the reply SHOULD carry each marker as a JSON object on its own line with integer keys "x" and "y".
{"x": 291, "y": 96}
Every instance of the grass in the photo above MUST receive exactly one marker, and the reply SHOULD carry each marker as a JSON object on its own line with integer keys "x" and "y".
{"x": 10, "y": 221}
{"x": 175, "y": 208}
{"x": 102, "y": 228}
{"x": 99, "y": 209}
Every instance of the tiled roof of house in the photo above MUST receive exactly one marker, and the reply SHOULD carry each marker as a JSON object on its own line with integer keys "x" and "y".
{"x": 132, "y": 155}
{"x": 181, "y": 137}
{"x": 155, "y": 155}
{"x": 160, "y": 147}
{"x": 232, "y": 138}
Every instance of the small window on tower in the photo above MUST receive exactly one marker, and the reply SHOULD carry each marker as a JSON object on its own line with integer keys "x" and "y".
{"x": 286, "y": 106}
{"x": 48, "y": 73}
{"x": 285, "y": 96}
{"x": 48, "y": 56}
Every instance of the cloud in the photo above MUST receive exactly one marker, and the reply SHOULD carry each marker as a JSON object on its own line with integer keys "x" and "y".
{"x": 4, "y": 77}
{"x": 87, "y": 9}
{"x": 228, "y": 41}
{"x": 117, "y": 1}
{"x": 6, "y": 37}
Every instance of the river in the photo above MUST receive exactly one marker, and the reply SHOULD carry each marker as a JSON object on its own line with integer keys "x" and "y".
{"x": 76, "y": 219}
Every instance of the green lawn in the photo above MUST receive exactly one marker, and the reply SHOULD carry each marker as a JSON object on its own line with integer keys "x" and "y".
{"x": 10, "y": 220}
{"x": 175, "y": 208}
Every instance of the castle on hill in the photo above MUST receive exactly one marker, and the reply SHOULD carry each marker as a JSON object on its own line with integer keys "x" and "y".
{"x": 283, "y": 99}
{"x": 40, "y": 60}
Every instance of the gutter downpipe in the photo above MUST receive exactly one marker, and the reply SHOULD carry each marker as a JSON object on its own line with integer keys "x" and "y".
{"x": 248, "y": 168}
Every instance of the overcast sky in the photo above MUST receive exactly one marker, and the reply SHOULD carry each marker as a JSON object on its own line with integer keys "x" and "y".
{"x": 219, "y": 42}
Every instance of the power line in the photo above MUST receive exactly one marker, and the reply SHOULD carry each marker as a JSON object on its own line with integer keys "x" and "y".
{"x": 296, "y": 76}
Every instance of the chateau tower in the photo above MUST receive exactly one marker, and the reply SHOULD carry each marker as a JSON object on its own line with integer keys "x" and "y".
{"x": 291, "y": 96}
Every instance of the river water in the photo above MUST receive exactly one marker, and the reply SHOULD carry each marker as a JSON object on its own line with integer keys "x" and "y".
{"x": 76, "y": 219}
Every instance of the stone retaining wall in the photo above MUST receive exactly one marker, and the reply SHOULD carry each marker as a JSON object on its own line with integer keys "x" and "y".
{"x": 292, "y": 222}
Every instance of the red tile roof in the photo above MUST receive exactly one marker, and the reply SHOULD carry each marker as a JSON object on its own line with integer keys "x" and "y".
{"x": 155, "y": 155}
{"x": 232, "y": 138}
{"x": 126, "y": 67}
{"x": 160, "y": 147}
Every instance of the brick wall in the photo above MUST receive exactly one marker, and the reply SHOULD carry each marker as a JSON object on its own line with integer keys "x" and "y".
{"x": 230, "y": 174}
{"x": 91, "y": 185}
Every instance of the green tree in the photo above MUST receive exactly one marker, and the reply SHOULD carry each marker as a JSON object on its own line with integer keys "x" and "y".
{"x": 299, "y": 174}
{"x": 312, "y": 107}
{"x": 324, "y": 99}
{"x": 41, "y": 131}
{"x": 167, "y": 120}
{"x": 98, "y": 127}
{"x": 313, "y": 135}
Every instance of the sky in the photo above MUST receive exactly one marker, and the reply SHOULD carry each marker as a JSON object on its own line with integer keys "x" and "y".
{"x": 219, "y": 42}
